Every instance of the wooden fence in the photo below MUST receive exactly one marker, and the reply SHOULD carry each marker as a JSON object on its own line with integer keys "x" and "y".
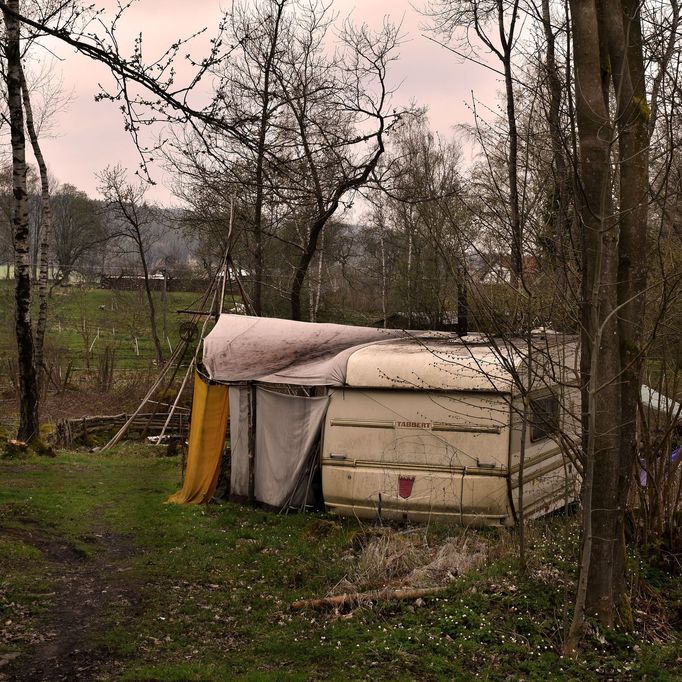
{"x": 69, "y": 432}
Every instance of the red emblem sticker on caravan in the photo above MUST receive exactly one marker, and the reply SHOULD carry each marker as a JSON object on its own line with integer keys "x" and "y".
{"x": 405, "y": 484}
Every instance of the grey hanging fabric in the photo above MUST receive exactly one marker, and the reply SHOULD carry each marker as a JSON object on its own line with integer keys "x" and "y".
{"x": 287, "y": 434}
{"x": 239, "y": 441}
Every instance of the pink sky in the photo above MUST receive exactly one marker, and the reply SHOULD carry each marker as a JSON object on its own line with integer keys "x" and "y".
{"x": 89, "y": 135}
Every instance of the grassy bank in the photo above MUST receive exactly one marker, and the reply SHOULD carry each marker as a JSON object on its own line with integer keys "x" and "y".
{"x": 92, "y": 561}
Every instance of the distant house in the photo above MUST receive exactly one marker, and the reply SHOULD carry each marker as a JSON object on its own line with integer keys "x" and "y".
{"x": 134, "y": 282}
{"x": 76, "y": 278}
{"x": 497, "y": 268}
{"x": 123, "y": 282}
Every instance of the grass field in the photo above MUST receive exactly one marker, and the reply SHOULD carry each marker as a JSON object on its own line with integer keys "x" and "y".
{"x": 99, "y": 580}
{"x": 82, "y": 322}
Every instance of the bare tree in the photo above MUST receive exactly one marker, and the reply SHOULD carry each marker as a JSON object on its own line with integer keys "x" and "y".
{"x": 495, "y": 23}
{"x": 28, "y": 386}
{"x": 329, "y": 128}
{"x": 133, "y": 221}
{"x": 78, "y": 228}
{"x": 319, "y": 120}
{"x": 422, "y": 209}
{"x": 614, "y": 283}
{"x": 45, "y": 227}
{"x": 248, "y": 91}
{"x": 560, "y": 96}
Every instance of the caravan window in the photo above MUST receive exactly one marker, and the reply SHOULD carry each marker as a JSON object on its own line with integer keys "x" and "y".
{"x": 544, "y": 417}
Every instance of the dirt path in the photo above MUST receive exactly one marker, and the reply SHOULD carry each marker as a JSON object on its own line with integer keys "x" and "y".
{"x": 87, "y": 587}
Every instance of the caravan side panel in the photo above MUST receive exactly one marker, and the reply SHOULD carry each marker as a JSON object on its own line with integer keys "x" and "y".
{"x": 417, "y": 454}
{"x": 550, "y": 478}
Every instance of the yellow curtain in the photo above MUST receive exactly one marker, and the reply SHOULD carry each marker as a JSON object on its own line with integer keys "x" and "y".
{"x": 210, "y": 411}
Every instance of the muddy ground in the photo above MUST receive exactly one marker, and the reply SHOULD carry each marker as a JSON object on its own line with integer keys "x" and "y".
{"x": 86, "y": 587}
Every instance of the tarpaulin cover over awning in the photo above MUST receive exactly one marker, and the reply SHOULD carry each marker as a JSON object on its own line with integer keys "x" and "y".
{"x": 275, "y": 351}
{"x": 210, "y": 411}
{"x": 271, "y": 350}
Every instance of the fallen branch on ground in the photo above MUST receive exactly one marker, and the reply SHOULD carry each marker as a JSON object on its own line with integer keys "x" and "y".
{"x": 359, "y": 597}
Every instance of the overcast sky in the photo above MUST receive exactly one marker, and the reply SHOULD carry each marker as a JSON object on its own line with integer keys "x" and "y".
{"x": 89, "y": 135}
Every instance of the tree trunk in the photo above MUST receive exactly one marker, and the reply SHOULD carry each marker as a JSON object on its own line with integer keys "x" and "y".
{"x": 318, "y": 287}
{"x": 561, "y": 221}
{"x": 150, "y": 304}
{"x": 614, "y": 279}
{"x": 383, "y": 276}
{"x": 45, "y": 232}
{"x": 409, "y": 271}
{"x": 259, "y": 269}
{"x": 258, "y": 237}
{"x": 28, "y": 388}
{"x": 632, "y": 115}
{"x": 601, "y": 359}
{"x": 164, "y": 303}
{"x": 302, "y": 268}
{"x": 515, "y": 212}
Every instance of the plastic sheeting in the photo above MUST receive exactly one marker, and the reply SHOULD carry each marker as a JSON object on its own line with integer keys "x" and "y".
{"x": 208, "y": 425}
